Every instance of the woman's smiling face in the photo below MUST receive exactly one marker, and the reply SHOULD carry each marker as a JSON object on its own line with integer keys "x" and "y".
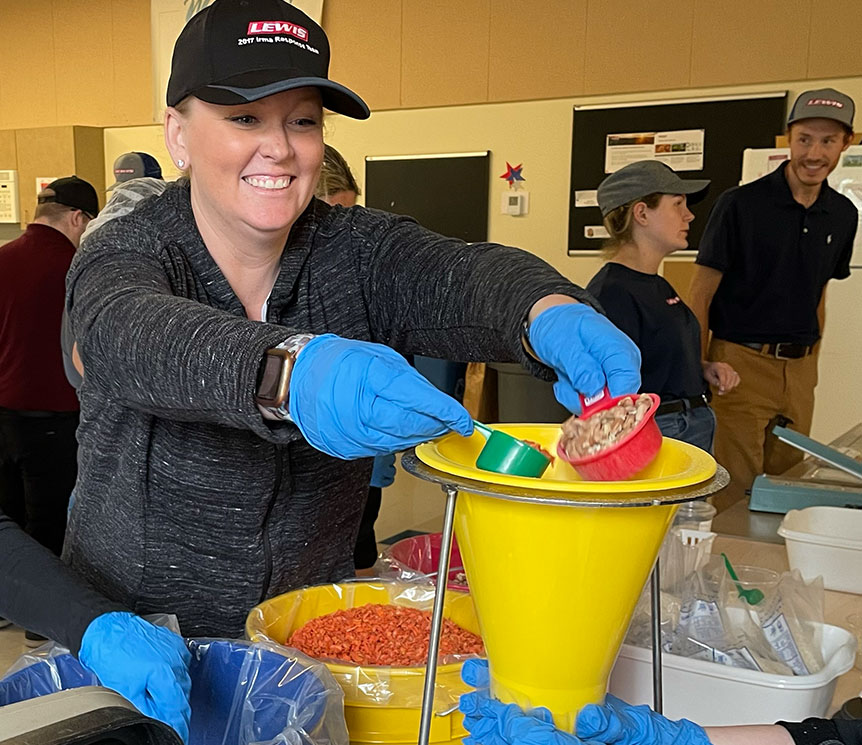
{"x": 255, "y": 165}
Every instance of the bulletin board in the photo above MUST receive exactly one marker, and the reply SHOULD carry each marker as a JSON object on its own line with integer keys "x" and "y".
{"x": 446, "y": 193}
{"x": 716, "y": 131}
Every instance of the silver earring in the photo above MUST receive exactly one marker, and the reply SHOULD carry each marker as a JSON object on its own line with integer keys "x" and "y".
{"x": 181, "y": 163}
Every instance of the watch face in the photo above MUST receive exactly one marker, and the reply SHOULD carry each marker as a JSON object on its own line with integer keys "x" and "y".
{"x": 273, "y": 379}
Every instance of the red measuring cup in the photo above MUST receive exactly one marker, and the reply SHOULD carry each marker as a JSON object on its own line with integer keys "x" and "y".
{"x": 624, "y": 458}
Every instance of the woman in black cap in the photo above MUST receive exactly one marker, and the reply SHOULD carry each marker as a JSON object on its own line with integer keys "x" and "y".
{"x": 241, "y": 341}
{"x": 645, "y": 210}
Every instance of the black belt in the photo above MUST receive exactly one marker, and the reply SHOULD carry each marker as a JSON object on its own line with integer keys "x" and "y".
{"x": 678, "y": 405}
{"x": 780, "y": 350}
{"x": 30, "y": 414}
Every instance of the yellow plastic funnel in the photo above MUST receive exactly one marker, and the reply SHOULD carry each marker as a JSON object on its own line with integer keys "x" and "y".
{"x": 555, "y": 576}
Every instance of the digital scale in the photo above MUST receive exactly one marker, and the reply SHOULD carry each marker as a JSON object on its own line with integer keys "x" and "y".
{"x": 831, "y": 476}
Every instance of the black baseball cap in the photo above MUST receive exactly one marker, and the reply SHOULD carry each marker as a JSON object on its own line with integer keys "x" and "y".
{"x": 235, "y": 51}
{"x": 645, "y": 177}
{"x": 73, "y": 192}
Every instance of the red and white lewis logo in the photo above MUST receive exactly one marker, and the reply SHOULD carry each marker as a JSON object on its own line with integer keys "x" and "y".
{"x": 278, "y": 27}
{"x": 825, "y": 102}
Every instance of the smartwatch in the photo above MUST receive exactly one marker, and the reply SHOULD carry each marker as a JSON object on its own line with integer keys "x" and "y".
{"x": 273, "y": 377}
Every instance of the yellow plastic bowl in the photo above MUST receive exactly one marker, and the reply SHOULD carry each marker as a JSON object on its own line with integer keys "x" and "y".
{"x": 381, "y": 704}
{"x": 678, "y": 465}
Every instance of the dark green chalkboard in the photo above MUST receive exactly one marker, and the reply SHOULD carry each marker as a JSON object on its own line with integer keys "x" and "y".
{"x": 445, "y": 193}
{"x": 731, "y": 125}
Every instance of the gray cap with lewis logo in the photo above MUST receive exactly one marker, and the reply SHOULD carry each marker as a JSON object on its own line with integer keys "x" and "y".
{"x": 646, "y": 177}
{"x": 825, "y": 103}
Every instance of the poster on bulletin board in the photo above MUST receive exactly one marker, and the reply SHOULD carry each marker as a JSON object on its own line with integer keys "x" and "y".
{"x": 702, "y": 138}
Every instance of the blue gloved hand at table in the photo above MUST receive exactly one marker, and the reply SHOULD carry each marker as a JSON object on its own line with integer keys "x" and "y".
{"x": 383, "y": 473}
{"x": 618, "y": 723}
{"x": 585, "y": 349}
{"x": 491, "y": 722}
{"x": 147, "y": 664}
{"x": 353, "y": 399}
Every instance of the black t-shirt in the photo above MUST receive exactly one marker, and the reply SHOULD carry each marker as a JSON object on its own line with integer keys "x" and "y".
{"x": 776, "y": 256}
{"x": 649, "y": 311}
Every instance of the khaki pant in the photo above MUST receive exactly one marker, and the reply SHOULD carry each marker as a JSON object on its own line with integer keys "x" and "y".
{"x": 770, "y": 388}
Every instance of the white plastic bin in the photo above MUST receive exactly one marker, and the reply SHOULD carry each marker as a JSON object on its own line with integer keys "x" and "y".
{"x": 827, "y": 542}
{"x": 712, "y": 694}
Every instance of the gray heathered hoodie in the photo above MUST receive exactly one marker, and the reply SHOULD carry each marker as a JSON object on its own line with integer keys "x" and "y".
{"x": 188, "y": 502}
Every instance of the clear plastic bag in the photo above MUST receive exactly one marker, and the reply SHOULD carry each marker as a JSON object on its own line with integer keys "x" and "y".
{"x": 398, "y": 687}
{"x": 416, "y": 559}
{"x": 705, "y": 617}
{"x": 243, "y": 693}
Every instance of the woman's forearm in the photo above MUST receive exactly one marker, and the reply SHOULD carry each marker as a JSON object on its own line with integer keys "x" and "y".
{"x": 762, "y": 734}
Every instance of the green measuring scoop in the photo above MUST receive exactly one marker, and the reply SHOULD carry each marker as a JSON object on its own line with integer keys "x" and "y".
{"x": 752, "y": 596}
{"x": 506, "y": 454}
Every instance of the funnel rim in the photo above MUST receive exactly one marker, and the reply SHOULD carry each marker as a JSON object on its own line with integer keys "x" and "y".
{"x": 436, "y": 455}
{"x": 645, "y": 498}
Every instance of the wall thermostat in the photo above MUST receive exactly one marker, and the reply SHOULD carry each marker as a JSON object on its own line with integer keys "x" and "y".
{"x": 8, "y": 196}
{"x": 515, "y": 203}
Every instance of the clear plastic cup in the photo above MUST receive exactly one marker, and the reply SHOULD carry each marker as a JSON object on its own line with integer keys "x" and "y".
{"x": 696, "y": 515}
{"x": 854, "y": 626}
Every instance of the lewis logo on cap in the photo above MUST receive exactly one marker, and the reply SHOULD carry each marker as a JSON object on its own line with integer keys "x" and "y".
{"x": 278, "y": 27}
{"x": 824, "y": 102}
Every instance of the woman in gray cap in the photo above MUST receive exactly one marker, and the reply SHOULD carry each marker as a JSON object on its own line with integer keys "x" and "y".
{"x": 242, "y": 344}
{"x": 645, "y": 210}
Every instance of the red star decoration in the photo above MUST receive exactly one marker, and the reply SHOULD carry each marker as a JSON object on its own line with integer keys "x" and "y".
{"x": 513, "y": 173}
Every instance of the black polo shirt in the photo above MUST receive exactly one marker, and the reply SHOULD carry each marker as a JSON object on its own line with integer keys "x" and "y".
{"x": 776, "y": 257}
{"x": 649, "y": 311}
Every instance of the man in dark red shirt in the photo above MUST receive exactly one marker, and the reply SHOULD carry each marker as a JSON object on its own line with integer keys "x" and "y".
{"x": 38, "y": 407}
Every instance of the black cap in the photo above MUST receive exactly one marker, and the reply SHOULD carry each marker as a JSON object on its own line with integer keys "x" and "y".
{"x": 73, "y": 192}
{"x": 235, "y": 51}
{"x": 645, "y": 177}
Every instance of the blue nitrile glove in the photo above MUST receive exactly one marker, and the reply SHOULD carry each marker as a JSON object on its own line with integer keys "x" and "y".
{"x": 147, "y": 664}
{"x": 491, "y": 722}
{"x": 352, "y": 399}
{"x": 585, "y": 349}
{"x": 383, "y": 473}
{"x": 619, "y": 723}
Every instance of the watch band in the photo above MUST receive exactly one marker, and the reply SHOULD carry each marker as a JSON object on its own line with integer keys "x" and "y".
{"x": 525, "y": 339}
{"x": 293, "y": 346}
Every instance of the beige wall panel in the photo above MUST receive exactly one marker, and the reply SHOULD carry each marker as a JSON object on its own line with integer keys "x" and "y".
{"x": 637, "y": 47}
{"x": 552, "y": 39}
{"x": 83, "y": 63}
{"x": 27, "y": 84}
{"x": 90, "y": 158}
{"x": 42, "y": 152}
{"x": 365, "y": 39}
{"x": 834, "y": 46}
{"x": 444, "y": 52}
{"x": 8, "y": 156}
{"x": 133, "y": 63}
{"x": 740, "y": 41}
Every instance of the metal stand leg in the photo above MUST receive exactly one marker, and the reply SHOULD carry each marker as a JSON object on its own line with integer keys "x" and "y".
{"x": 437, "y": 616}
{"x": 655, "y": 592}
